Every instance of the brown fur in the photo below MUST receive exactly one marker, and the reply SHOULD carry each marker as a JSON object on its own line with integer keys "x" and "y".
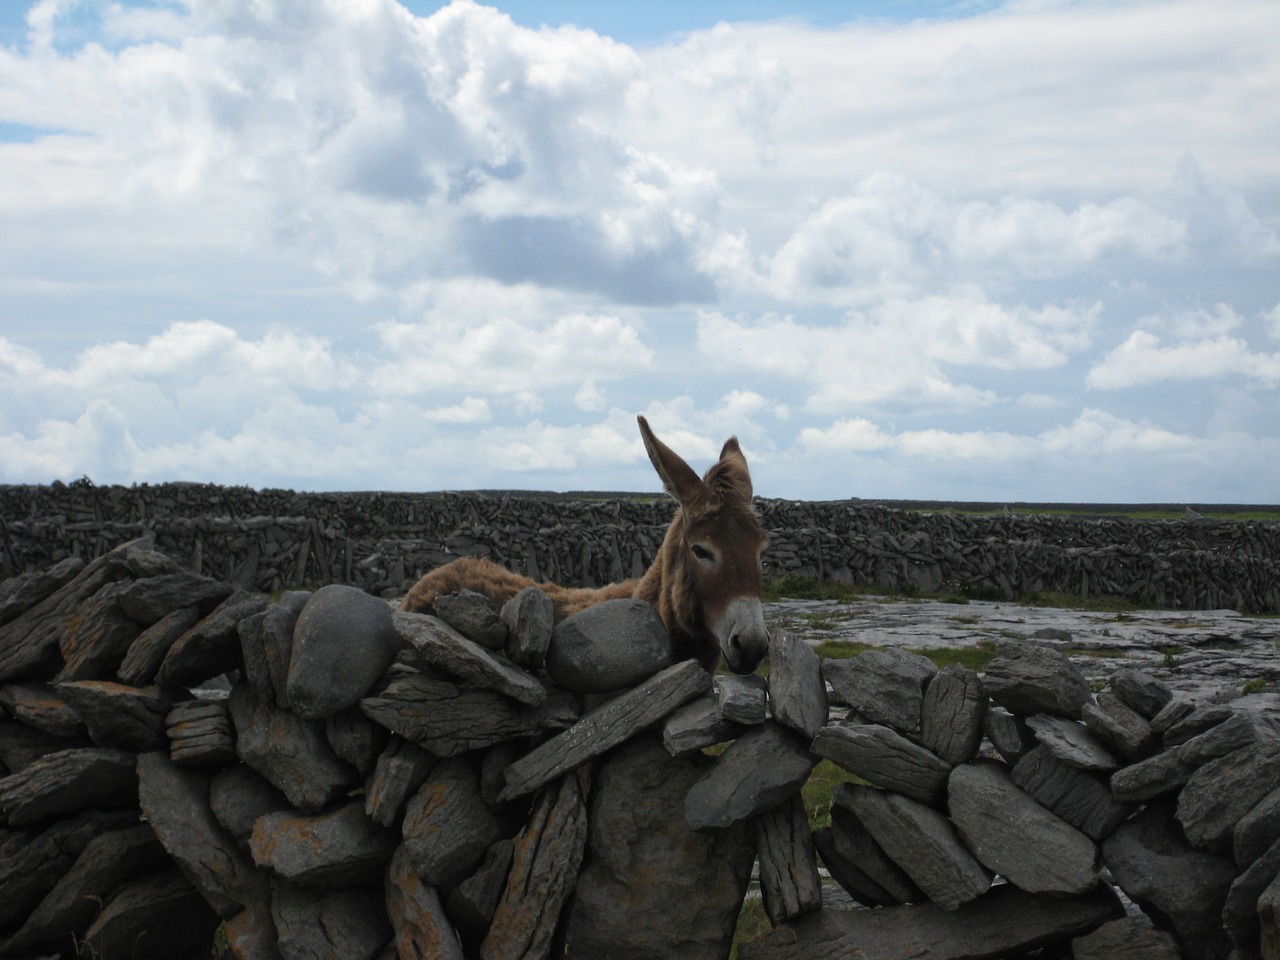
{"x": 715, "y": 510}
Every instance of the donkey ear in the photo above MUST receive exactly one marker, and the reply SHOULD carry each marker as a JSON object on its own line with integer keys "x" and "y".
{"x": 732, "y": 469}
{"x": 677, "y": 476}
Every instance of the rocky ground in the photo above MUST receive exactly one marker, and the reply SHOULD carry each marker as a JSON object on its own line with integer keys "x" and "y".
{"x": 1213, "y": 656}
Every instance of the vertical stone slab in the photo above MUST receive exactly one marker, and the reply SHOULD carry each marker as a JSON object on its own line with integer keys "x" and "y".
{"x": 789, "y": 882}
{"x": 421, "y": 927}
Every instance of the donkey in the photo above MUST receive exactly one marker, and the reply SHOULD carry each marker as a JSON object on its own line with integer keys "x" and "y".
{"x": 705, "y": 580}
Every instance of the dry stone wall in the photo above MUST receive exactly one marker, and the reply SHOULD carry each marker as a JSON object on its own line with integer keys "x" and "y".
{"x": 273, "y": 539}
{"x": 321, "y": 777}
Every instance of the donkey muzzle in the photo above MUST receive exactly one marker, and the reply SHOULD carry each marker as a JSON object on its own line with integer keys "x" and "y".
{"x": 744, "y": 639}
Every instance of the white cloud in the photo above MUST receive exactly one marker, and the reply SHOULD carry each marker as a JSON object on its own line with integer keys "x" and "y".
{"x": 1143, "y": 359}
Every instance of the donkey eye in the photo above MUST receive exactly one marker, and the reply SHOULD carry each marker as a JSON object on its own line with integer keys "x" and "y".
{"x": 702, "y": 553}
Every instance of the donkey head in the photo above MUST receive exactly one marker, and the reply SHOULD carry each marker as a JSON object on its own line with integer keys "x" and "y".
{"x": 715, "y": 544}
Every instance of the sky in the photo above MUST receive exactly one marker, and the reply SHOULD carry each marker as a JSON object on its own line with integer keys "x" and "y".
{"x": 1019, "y": 251}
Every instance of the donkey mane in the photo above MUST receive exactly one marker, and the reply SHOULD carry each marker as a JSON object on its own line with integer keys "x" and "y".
{"x": 706, "y": 613}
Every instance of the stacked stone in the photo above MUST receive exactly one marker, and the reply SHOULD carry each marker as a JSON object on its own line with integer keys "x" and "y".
{"x": 319, "y": 776}
{"x": 990, "y": 809}
{"x": 271, "y": 539}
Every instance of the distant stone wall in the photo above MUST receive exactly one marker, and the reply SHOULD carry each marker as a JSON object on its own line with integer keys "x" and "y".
{"x": 272, "y": 539}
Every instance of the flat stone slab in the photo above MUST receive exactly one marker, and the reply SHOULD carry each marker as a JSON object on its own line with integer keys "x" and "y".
{"x": 212, "y": 646}
{"x": 341, "y": 848}
{"x": 117, "y": 715}
{"x": 742, "y": 700}
{"x": 1027, "y": 678}
{"x": 472, "y": 614}
{"x": 885, "y": 686}
{"x": 885, "y": 883}
{"x": 762, "y": 768}
{"x": 69, "y": 781}
{"x": 797, "y": 693}
{"x": 1219, "y": 794}
{"x": 884, "y": 757}
{"x": 1081, "y": 798}
{"x": 1071, "y": 742}
{"x": 441, "y": 646}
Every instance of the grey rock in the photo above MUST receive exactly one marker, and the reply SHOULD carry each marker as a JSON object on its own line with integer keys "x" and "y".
{"x": 20, "y": 593}
{"x": 919, "y": 840}
{"x": 1169, "y": 770}
{"x": 343, "y": 642}
{"x": 1220, "y": 793}
{"x": 1257, "y": 830}
{"x": 21, "y": 746}
{"x": 152, "y": 598}
{"x": 789, "y": 883}
{"x": 212, "y": 646}
{"x": 606, "y": 726}
{"x": 1027, "y": 678}
{"x": 355, "y": 738}
{"x": 1240, "y": 911}
{"x": 400, "y": 770}
{"x": 545, "y": 861}
{"x": 472, "y": 615}
{"x": 251, "y": 933}
{"x": 472, "y": 903}
{"x": 952, "y": 713}
{"x": 683, "y": 888}
{"x": 238, "y": 796}
{"x": 760, "y": 769}
{"x": 447, "y": 825}
{"x": 1119, "y": 727}
{"x": 442, "y": 647}
{"x": 1014, "y": 836}
{"x": 847, "y": 871}
{"x": 152, "y": 645}
{"x": 329, "y": 924}
{"x": 742, "y": 699}
{"x": 68, "y": 782}
{"x": 1269, "y": 918}
{"x": 43, "y": 707}
{"x": 1071, "y": 742}
{"x": 175, "y": 801}
{"x": 290, "y": 752}
{"x": 1004, "y": 923}
{"x": 340, "y": 848}
{"x": 1081, "y": 798}
{"x": 885, "y": 758}
{"x": 1179, "y": 708}
{"x": 278, "y": 624}
{"x": 530, "y": 620}
{"x": 160, "y": 915}
{"x": 422, "y": 928}
{"x": 885, "y": 686}
{"x": 117, "y": 715}
{"x": 609, "y": 646}
{"x": 1181, "y": 888}
{"x": 1139, "y": 690}
{"x": 95, "y": 639}
{"x": 1129, "y": 938}
{"x": 797, "y": 693}
{"x": 1199, "y": 720}
{"x": 696, "y": 725}
{"x": 1008, "y": 733}
{"x": 854, "y": 843}
{"x": 200, "y": 733}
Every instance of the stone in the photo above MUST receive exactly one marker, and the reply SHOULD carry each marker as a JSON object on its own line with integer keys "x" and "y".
{"x": 160, "y": 915}
{"x": 422, "y": 928}
{"x": 650, "y": 886}
{"x": 889, "y": 885}
{"x": 400, "y": 770}
{"x": 1129, "y": 938}
{"x": 238, "y": 796}
{"x": 447, "y": 825}
{"x": 789, "y": 882}
{"x": 885, "y": 758}
{"x": 441, "y": 646}
{"x": 200, "y": 733}
{"x": 42, "y": 706}
{"x": 472, "y": 903}
{"x": 1199, "y": 720}
{"x": 545, "y": 860}
{"x": 96, "y": 636}
{"x": 472, "y": 615}
{"x": 530, "y": 620}
{"x": 1177, "y": 709}
{"x": 116, "y": 715}
{"x": 606, "y": 726}
{"x": 847, "y": 872}
{"x": 762, "y": 768}
{"x": 69, "y": 781}
{"x": 696, "y": 725}
{"x": 608, "y": 646}
{"x": 1119, "y": 727}
{"x": 153, "y": 598}
{"x": 797, "y": 692}
{"x": 1269, "y": 920}
{"x": 1014, "y": 836}
{"x": 1080, "y": 797}
{"x": 952, "y": 713}
{"x": 339, "y": 848}
{"x": 355, "y": 738}
{"x": 212, "y": 646}
{"x": 919, "y": 840}
{"x": 1220, "y": 793}
{"x": 21, "y": 746}
{"x": 329, "y": 924}
{"x": 1005, "y": 922}
{"x": 1008, "y": 733}
{"x": 20, "y": 593}
{"x": 1140, "y": 691}
{"x": 175, "y": 801}
{"x": 1257, "y": 830}
{"x": 149, "y": 648}
{"x": 1028, "y": 678}
{"x": 278, "y": 625}
{"x": 101, "y": 868}
{"x": 290, "y": 752}
{"x": 343, "y": 642}
{"x": 1071, "y": 742}
{"x": 1169, "y": 770}
{"x": 251, "y": 933}
{"x": 1240, "y": 911}
{"x": 1180, "y": 888}
{"x": 742, "y": 700}
{"x": 448, "y": 718}
{"x": 885, "y": 686}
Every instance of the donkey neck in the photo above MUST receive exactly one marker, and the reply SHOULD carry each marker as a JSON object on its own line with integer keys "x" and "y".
{"x": 668, "y": 584}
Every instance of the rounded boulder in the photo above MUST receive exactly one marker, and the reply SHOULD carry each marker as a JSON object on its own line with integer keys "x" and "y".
{"x": 609, "y": 646}
{"x": 343, "y": 642}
